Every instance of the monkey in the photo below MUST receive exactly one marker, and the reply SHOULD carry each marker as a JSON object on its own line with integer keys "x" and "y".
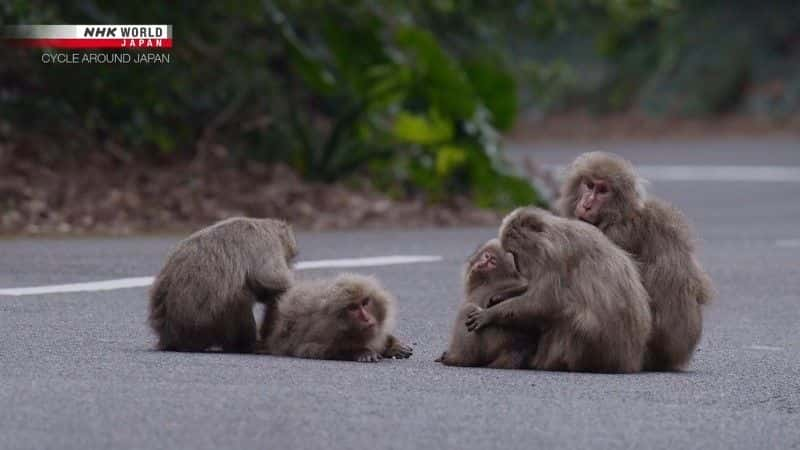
{"x": 490, "y": 277}
{"x": 204, "y": 295}
{"x": 584, "y": 295}
{"x": 349, "y": 317}
{"x": 604, "y": 190}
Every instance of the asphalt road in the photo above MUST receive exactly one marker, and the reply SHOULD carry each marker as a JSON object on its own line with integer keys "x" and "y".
{"x": 77, "y": 370}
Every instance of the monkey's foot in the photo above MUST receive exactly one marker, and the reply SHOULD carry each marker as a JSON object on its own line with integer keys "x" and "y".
{"x": 477, "y": 319}
{"x": 399, "y": 351}
{"x": 441, "y": 358}
{"x": 368, "y": 356}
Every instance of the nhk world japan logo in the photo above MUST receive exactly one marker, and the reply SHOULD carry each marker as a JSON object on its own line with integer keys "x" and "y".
{"x": 88, "y": 37}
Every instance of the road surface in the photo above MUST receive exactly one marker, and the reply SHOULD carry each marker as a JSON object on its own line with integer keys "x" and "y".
{"x": 77, "y": 370}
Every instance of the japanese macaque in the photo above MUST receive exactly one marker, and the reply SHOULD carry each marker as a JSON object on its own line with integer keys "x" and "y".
{"x": 603, "y": 189}
{"x": 489, "y": 278}
{"x": 350, "y": 317}
{"x": 204, "y": 295}
{"x": 584, "y": 296}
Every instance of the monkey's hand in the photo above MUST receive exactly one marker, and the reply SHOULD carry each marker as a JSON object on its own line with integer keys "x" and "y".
{"x": 497, "y": 298}
{"x": 478, "y": 318}
{"x": 368, "y": 356}
{"x": 398, "y": 350}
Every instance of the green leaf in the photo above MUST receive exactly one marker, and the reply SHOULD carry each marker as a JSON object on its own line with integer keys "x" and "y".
{"x": 422, "y": 130}
{"x": 449, "y": 158}
{"x": 313, "y": 71}
{"x": 496, "y": 88}
{"x": 441, "y": 80}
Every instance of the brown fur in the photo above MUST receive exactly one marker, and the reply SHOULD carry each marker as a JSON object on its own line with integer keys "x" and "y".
{"x": 203, "y": 296}
{"x": 584, "y": 295}
{"x": 493, "y": 346}
{"x": 311, "y": 322}
{"x": 660, "y": 239}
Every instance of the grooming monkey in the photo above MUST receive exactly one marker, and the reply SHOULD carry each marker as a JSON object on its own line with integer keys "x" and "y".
{"x": 490, "y": 277}
{"x": 604, "y": 190}
{"x": 584, "y": 295}
{"x": 349, "y": 317}
{"x": 203, "y": 297}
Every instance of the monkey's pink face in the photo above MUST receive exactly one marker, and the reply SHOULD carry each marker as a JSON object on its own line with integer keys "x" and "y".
{"x": 361, "y": 315}
{"x": 485, "y": 262}
{"x": 594, "y": 194}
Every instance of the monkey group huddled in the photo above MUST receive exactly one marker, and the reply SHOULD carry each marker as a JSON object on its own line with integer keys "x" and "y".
{"x": 610, "y": 285}
{"x": 584, "y": 298}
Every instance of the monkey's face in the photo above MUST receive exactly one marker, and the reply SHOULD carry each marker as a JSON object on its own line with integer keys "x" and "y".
{"x": 491, "y": 263}
{"x": 594, "y": 195}
{"x": 485, "y": 261}
{"x": 360, "y": 316}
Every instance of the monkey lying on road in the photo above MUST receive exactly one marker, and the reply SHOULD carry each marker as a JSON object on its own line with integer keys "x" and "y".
{"x": 349, "y": 317}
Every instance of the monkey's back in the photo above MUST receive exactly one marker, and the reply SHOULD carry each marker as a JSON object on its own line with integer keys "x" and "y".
{"x": 203, "y": 279}
{"x": 676, "y": 283}
{"x": 606, "y": 303}
{"x": 300, "y": 314}
{"x": 670, "y": 243}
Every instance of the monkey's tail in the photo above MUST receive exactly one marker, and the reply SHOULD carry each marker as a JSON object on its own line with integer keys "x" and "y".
{"x": 705, "y": 288}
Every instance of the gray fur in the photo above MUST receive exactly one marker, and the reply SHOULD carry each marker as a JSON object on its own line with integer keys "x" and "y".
{"x": 660, "y": 239}
{"x": 584, "y": 295}
{"x": 204, "y": 294}
{"x": 493, "y": 346}
{"x": 310, "y": 321}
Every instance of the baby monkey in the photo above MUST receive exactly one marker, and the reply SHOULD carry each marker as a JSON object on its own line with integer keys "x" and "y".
{"x": 490, "y": 278}
{"x": 203, "y": 297}
{"x": 349, "y": 317}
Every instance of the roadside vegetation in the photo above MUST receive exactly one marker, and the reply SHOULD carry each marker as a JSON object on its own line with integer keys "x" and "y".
{"x": 406, "y": 101}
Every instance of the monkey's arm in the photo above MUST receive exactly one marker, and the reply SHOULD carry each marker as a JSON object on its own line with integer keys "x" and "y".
{"x": 319, "y": 351}
{"x": 395, "y": 348}
{"x": 507, "y": 292}
{"x": 523, "y": 312}
{"x": 269, "y": 279}
{"x": 312, "y": 350}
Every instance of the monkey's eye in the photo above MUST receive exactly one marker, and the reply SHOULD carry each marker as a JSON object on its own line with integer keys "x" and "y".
{"x": 602, "y": 189}
{"x": 352, "y": 307}
{"x": 365, "y": 302}
{"x": 590, "y": 185}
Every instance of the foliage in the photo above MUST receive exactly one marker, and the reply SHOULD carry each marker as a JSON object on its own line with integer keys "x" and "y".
{"x": 329, "y": 87}
{"x": 674, "y": 57}
{"x": 414, "y": 93}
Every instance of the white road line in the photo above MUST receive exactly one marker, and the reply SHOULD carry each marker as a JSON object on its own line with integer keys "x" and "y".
{"x": 786, "y": 174}
{"x": 366, "y": 262}
{"x": 123, "y": 283}
{"x": 791, "y": 243}
{"x": 107, "y": 285}
{"x": 768, "y": 348}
